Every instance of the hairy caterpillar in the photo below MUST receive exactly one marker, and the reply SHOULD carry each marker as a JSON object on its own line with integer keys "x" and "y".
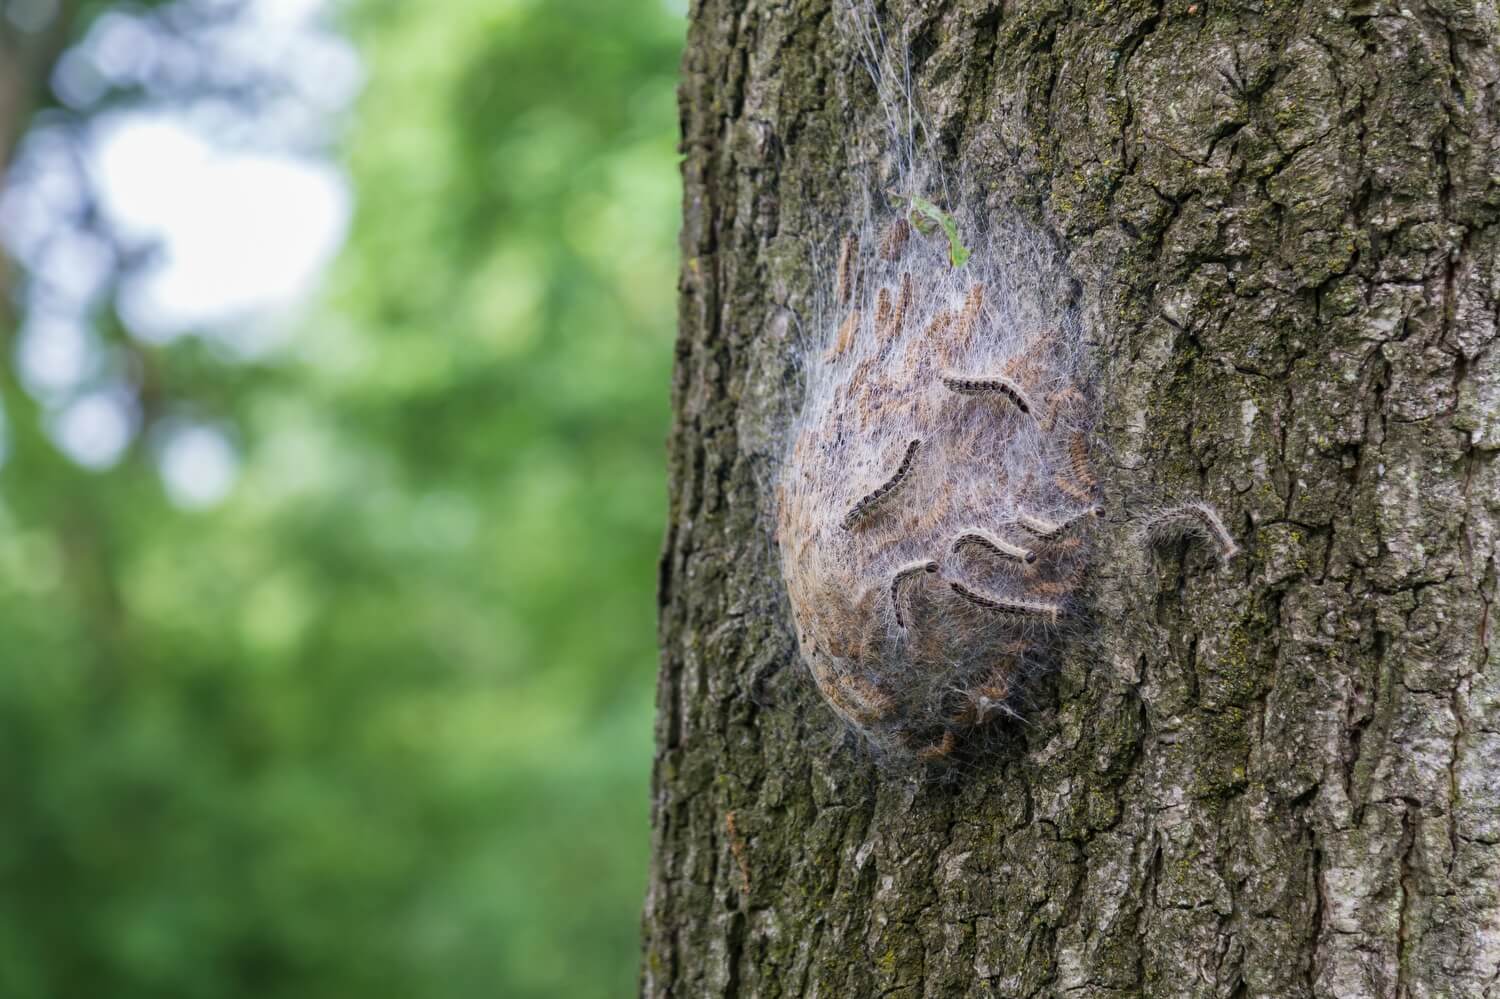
{"x": 986, "y": 386}
{"x": 1047, "y": 530}
{"x": 902, "y": 576}
{"x": 952, "y": 338}
{"x": 996, "y": 547}
{"x": 870, "y": 501}
{"x": 1195, "y": 520}
{"x": 1006, "y": 606}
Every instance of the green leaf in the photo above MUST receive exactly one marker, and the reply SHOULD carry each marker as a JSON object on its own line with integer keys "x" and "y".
{"x": 925, "y": 215}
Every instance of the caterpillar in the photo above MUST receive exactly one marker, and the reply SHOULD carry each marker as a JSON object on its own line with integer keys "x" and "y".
{"x": 938, "y": 750}
{"x": 870, "y": 501}
{"x": 973, "y": 303}
{"x": 996, "y": 547}
{"x": 846, "y": 268}
{"x": 1192, "y": 520}
{"x": 1079, "y": 482}
{"x": 1024, "y": 608}
{"x": 903, "y": 576}
{"x": 986, "y": 386}
{"x": 845, "y": 335}
{"x": 895, "y": 240}
{"x": 898, "y": 312}
{"x": 1049, "y": 530}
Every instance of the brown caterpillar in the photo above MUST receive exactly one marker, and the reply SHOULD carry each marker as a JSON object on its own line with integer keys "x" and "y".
{"x": 903, "y": 303}
{"x": 1194, "y": 520}
{"x": 846, "y": 268}
{"x": 973, "y": 303}
{"x": 1078, "y": 461}
{"x": 870, "y": 501}
{"x": 895, "y": 240}
{"x": 1024, "y": 608}
{"x": 938, "y": 750}
{"x": 996, "y": 547}
{"x": 987, "y": 386}
{"x": 1079, "y": 482}
{"x": 1049, "y": 530}
{"x": 902, "y": 576}
{"x": 883, "y": 309}
{"x": 846, "y": 334}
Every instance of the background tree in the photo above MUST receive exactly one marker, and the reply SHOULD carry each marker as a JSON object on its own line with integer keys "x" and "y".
{"x": 1274, "y": 779}
{"x": 342, "y": 734}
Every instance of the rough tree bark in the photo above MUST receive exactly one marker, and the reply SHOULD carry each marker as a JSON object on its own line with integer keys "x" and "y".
{"x": 1281, "y": 778}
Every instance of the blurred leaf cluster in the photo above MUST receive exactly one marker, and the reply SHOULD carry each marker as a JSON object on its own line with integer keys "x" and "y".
{"x": 379, "y": 723}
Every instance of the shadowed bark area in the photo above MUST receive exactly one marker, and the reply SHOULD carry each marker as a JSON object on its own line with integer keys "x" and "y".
{"x": 1272, "y": 779}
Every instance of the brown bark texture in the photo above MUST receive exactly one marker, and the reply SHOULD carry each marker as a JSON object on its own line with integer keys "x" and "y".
{"x": 1277, "y": 778}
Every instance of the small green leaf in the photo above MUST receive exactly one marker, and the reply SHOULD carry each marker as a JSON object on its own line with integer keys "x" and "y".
{"x": 925, "y": 215}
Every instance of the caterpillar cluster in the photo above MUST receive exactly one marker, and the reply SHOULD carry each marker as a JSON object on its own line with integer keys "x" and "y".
{"x": 937, "y": 506}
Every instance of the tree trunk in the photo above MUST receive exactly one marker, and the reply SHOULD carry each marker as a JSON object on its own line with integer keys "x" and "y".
{"x": 1277, "y": 778}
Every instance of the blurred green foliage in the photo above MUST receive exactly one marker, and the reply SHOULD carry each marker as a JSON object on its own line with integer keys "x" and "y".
{"x": 378, "y": 725}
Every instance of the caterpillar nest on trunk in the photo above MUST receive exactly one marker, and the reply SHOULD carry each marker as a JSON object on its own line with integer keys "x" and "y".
{"x": 936, "y": 510}
{"x": 937, "y": 506}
